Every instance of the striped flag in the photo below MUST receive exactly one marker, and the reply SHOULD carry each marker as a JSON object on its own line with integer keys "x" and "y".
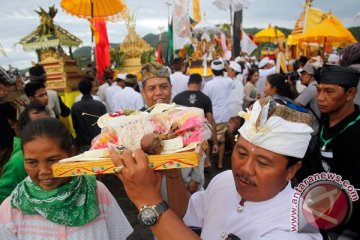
{"x": 181, "y": 24}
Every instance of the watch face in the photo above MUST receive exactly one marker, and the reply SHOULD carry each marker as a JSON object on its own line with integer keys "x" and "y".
{"x": 148, "y": 216}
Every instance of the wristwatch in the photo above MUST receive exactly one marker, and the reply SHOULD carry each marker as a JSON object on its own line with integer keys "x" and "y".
{"x": 149, "y": 215}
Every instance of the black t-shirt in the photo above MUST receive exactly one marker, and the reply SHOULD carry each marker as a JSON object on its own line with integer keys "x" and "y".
{"x": 83, "y": 124}
{"x": 194, "y": 99}
{"x": 342, "y": 156}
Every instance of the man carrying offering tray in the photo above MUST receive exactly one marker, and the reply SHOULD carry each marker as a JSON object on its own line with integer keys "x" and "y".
{"x": 253, "y": 201}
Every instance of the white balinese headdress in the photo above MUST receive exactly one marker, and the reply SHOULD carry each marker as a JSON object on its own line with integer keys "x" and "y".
{"x": 277, "y": 128}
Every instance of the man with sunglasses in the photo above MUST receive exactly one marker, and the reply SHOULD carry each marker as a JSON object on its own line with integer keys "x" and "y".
{"x": 253, "y": 201}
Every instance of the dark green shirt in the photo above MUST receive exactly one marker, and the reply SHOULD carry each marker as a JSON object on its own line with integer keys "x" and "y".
{"x": 13, "y": 171}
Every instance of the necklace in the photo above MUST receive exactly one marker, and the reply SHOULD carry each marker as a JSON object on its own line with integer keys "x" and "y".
{"x": 327, "y": 141}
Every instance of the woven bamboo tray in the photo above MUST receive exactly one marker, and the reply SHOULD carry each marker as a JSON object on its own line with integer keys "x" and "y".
{"x": 105, "y": 165}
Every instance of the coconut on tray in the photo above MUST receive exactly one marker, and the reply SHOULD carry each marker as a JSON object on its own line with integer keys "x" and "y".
{"x": 170, "y": 135}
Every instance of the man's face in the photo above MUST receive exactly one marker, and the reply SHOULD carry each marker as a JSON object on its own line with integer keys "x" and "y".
{"x": 121, "y": 83}
{"x": 157, "y": 90}
{"x": 41, "y": 96}
{"x": 305, "y": 78}
{"x": 331, "y": 98}
{"x": 259, "y": 174}
{"x": 231, "y": 72}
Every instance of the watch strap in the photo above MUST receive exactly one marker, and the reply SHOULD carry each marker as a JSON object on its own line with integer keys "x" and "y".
{"x": 161, "y": 207}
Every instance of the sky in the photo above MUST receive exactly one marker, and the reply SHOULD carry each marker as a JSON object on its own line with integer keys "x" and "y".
{"x": 18, "y": 19}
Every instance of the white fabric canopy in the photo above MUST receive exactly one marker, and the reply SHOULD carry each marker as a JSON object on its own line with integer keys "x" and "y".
{"x": 235, "y": 5}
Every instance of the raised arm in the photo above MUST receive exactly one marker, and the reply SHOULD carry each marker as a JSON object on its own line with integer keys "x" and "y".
{"x": 142, "y": 185}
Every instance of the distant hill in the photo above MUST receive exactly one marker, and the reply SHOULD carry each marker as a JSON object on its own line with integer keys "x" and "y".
{"x": 83, "y": 54}
{"x": 356, "y": 32}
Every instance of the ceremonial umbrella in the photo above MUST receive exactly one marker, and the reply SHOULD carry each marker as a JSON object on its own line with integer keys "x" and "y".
{"x": 94, "y": 9}
{"x": 329, "y": 31}
{"x": 269, "y": 35}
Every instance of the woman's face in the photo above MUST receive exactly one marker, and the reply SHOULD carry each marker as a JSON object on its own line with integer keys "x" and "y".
{"x": 254, "y": 77}
{"x": 269, "y": 90}
{"x": 39, "y": 155}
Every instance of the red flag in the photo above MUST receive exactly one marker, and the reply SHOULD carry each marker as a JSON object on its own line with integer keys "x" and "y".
{"x": 159, "y": 54}
{"x": 102, "y": 49}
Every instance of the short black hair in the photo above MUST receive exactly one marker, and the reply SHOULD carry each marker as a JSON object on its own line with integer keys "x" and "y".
{"x": 85, "y": 86}
{"x": 292, "y": 161}
{"x": 178, "y": 64}
{"x": 37, "y": 70}
{"x": 195, "y": 78}
{"x": 130, "y": 84}
{"x": 303, "y": 60}
{"x": 131, "y": 76}
{"x": 24, "y": 117}
{"x": 218, "y": 72}
{"x": 32, "y": 87}
{"x": 37, "y": 73}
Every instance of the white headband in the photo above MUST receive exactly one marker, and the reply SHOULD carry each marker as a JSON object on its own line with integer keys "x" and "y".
{"x": 275, "y": 133}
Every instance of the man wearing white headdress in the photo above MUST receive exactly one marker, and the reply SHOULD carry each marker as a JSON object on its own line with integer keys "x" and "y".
{"x": 218, "y": 90}
{"x": 333, "y": 59}
{"x": 112, "y": 90}
{"x": 251, "y": 201}
{"x": 236, "y": 98}
{"x": 265, "y": 69}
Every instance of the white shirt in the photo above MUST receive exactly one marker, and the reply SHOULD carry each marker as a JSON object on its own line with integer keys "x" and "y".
{"x": 263, "y": 73}
{"x": 128, "y": 99}
{"x": 109, "y": 94}
{"x": 53, "y": 103}
{"x": 217, "y": 211}
{"x": 101, "y": 90}
{"x": 179, "y": 82}
{"x": 236, "y": 98}
{"x": 218, "y": 90}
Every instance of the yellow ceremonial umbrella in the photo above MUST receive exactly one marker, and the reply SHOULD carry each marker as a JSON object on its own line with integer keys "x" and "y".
{"x": 94, "y": 9}
{"x": 269, "y": 35}
{"x": 329, "y": 31}
{"x": 292, "y": 39}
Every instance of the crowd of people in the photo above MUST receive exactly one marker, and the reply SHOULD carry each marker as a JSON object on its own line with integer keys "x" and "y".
{"x": 281, "y": 128}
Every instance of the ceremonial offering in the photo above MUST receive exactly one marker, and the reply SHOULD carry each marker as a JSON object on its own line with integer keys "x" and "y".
{"x": 170, "y": 135}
